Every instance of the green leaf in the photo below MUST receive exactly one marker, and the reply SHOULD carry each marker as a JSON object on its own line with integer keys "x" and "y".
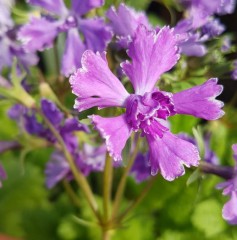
{"x": 206, "y": 218}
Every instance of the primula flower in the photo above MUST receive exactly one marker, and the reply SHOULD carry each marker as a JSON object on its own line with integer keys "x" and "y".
{"x": 141, "y": 169}
{"x": 124, "y": 22}
{"x": 87, "y": 160}
{"x": 40, "y": 33}
{"x": 148, "y": 108}
{"x": 200, "y": 10}
{"x": 66, "y": 127}
{"x": 229, "y": 211}
{"x": 209, "y": 155}
{"x": 234, "y": 72}
{"x": 3, "y": 175}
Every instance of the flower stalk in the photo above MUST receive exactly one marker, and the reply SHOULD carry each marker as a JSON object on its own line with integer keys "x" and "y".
{"x": 221, "y": 171}
{"x": 122, "y": 183}
{"x": 79, "y": 177}
{"x": 107, "y": 186}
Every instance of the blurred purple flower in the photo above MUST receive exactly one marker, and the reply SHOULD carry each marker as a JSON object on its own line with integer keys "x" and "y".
{"x": 27, "y": 119}
{"x": 40, "y": 33}
{"x": 11, "y": 48}
{"x": 234, "y": 72}
{"x": 209, "y": 155}
{"x": 213, "y": 28}
{"x": 141, "y": 170}
{"x": 229, "y": 211}
{"x": 124, "y": 22}
{"x": 200, "y": 10}
{"x": 88, "y": 160}
{"x": 148, "y": 108}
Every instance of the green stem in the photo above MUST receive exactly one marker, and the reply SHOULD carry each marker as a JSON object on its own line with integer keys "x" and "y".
{"x": 79, "y": 177}
{"x": 122, "y": 183}
{"x": 72, "y": 195}
{"x": 106, "y": 235}
{"x": 57, "y": 62}
{"x": 138, "y": 200}
{"x": 107, "y": 182}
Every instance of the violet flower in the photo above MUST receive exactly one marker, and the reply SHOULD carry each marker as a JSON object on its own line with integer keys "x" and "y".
{"x": 148, "y": 108}
{"x": 200, "y": 10}
{"x": 209, "y": 155}
{"x": 3, "y": 175}
{"x": 9, "y": 45}
{"x": 234, "y": 72}
{"x": 66, "y": 127}
{"x": 124, "y": 21}
{"x": 229, "y": 211}
{"x": 40, "y": 33}
{"x": 141, "y": 169}
{"x": 88, "y": 160}
{"x": 11, "y": 48}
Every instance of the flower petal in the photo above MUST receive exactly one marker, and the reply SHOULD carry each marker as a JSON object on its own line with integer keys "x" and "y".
{"x": 56, "y": 170}
{"x": 54, "y": 6}
{"x": 115, "y": 131}
{"x": 38, "y": 34}
{"x": 81, "y": 7}
{"x": 125, "y": 20}
{"x": 141, "y": 170}
{"x": 51, "y": 111}
{"x": 169, "y": 153}
{"x": 200, "y": 101}
{"x": 229, "y": 211}
{"x": 73, "y": 52}
{"x": 152, "y": 54}
{"x": 96, "y": 33}
{"x": 95, "y": 84}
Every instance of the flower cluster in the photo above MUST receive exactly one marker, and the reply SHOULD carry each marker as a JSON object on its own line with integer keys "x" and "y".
{"x": 142, "y": 76}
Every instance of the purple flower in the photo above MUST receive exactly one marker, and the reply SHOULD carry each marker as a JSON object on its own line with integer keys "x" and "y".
{"x": 11, "y": 48}
{"x": 189, "y": 40}
{"x": 56, "y": 170}
{"x": 124, "y": 22}
{"x": 213, "y": 28}
{"x": 3, "y": 175}
{"x": 148, "y": 108}
{"x": 66, "y": 127}
{"x": 200, "y": 10}
{"x": 209, "y": 155}
{"x": 234, "y": 72}
{"x": 229, "y": 211}
{"x": 88, "y": 160}
{"x": 141, "y": 169}
{"x": 40, "y": 33}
